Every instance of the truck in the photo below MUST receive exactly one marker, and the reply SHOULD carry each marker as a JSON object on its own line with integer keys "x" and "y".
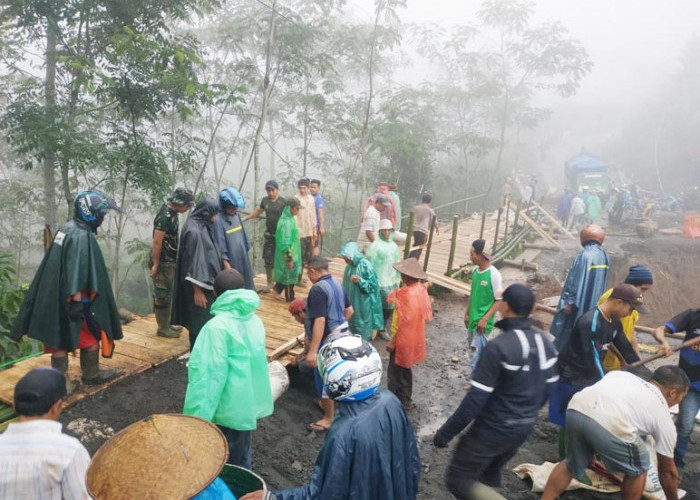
{"x": 585, "y": 170}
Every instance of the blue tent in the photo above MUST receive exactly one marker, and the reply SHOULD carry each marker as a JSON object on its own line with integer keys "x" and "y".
{"x": 583, "y": 162}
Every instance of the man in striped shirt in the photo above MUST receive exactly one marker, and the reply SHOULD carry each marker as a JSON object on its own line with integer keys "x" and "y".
{"x": 509, "y": 386}
{"x": 37, "y": 461}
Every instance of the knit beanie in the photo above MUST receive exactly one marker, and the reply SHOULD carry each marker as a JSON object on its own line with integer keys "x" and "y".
{"x": 639, "y": 275}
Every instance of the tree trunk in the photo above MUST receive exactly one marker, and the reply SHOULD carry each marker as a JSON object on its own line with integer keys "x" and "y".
{"x": 50, "y": 103}
{"x": 364, "y": 135}
{"x": 263, "y": 113}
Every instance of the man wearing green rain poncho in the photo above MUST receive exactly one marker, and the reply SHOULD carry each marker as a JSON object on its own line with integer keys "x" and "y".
{"x": 287, "y": 252}
{"x": 362, "y": 286}
{"x": 383, "y": 253}
{"x": 228, "y": 382}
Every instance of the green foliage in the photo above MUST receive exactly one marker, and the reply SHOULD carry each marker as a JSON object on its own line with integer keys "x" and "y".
{"x": 10, "y": 301}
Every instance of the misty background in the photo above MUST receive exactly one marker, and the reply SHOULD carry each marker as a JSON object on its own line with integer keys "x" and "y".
{"x": 440, "y": 96}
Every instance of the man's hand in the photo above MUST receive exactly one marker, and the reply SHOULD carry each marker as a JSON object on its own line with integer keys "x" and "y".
{"x": 355, "y": 278}
{"x": 256, "y": 495}
{"x": 665, "y": 350}
{"x": 154, "y": 271}
{"x": 321, "y": 231}
{"x": 311, "y": 359}
{"x": 227, "y": 265}
{"x": 391, "y": 345}
{"x": 290, "y": 264}
{"x": 439, "y": 441}
{"x": 481, "y": 325}
{"x": 568, "y": 309}
{"x": 200, "y": 300}
{"x": 75, "y": 310}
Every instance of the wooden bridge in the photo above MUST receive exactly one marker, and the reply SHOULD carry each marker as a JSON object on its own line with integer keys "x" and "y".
{"x": 141, "y": 349}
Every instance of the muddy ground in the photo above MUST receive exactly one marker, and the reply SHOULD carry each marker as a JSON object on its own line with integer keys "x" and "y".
{"x": 284, "y": 451}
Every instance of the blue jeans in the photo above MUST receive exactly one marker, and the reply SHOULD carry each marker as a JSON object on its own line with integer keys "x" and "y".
{"x": 478, "y": 342}
{"x": 240, "y": 447}
{"x": 684, "y": 425}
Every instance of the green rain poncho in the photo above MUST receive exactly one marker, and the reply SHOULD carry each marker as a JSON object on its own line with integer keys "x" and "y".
{"x": 287, "y": 247}
{"x": 364, "y": 295}
{"x": 383, "y": 254}
{"x": 228, "y": 380}
{"x": 593, "y": 207}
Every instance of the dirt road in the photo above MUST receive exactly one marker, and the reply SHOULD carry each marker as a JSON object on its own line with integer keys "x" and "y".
{"x": 284, "y": 451}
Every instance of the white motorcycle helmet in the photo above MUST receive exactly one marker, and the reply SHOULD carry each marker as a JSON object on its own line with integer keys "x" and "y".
{"x": 351, "y": 368}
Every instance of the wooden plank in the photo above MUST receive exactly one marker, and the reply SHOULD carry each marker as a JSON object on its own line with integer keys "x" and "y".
{"x": 540, "y": 231}
{"x": 284, "y": 348}
{"x": 553, "y": 220}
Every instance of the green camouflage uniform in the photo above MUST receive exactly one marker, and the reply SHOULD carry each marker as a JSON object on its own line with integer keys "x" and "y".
{"x": 166, "y": 221}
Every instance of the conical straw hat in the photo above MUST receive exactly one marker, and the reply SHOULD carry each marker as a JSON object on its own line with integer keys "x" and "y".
{"x": 162, "y": 457}
{"x": 411, "y": 267}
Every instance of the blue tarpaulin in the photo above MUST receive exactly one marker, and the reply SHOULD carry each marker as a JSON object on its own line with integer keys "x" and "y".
{"x": 583, "y": 162}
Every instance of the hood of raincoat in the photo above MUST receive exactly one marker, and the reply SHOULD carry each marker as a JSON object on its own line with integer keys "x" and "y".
{"x": 240, "y": 303}
{"x": 205, "y": 209}
{"x": 352, "y": 251}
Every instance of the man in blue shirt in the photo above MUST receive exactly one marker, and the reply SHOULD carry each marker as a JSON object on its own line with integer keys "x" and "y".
{"x": 328, "y": 310}
{"x": 689, "y": 322}
{"x": 314, "y": 188}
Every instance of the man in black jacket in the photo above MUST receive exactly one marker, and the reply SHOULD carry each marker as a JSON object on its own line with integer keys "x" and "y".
{"x": 509, "y": 386}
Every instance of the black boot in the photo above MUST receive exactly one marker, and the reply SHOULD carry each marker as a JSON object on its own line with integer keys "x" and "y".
{"x": 61, "y": 364}
{"x": 90, "y": 365}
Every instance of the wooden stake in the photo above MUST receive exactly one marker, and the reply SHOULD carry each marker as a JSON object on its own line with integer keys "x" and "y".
{"x": 433, "y": 221}
{"x": 409, "y": 236}
{"x": 453, "y": 243}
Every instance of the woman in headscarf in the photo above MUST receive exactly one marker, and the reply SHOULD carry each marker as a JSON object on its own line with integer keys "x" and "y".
{"x": 198, "y": 263}
{"x": 362, "y": 286}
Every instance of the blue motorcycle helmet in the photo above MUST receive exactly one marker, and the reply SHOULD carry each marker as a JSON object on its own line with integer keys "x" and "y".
{"x": 90, "y": 207}
{"x": 230, "y": 197}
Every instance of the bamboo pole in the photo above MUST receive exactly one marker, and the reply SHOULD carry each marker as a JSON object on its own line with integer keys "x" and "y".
{"x": 483, "y": 221}
{"x": 453, "y": 243}
{"x": 505, "y": 233}
{"x": 430, "y": 243}
{"x": 547, "y": 238}
{"x": 409, "y": 236}
{"x": 517, "y": 213}
{"x": 553, "y": 220}
{"x": 498, "y": 225}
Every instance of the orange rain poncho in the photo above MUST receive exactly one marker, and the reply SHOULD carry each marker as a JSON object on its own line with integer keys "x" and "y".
{"x": 412, "y": 310}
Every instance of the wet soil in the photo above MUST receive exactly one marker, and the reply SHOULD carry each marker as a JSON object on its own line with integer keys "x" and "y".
{"x": 284, "y": 450}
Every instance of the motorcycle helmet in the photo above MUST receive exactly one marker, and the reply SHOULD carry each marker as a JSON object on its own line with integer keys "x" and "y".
{"x": 592, "y": 232}
{"x": 90, "y": 207}
{"x": 351, "y": 368}
{"x": 231, "y": 197}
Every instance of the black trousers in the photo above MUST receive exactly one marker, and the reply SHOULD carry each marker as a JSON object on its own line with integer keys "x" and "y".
{"x": 418, "y": 239}
{"x": 400, "y": 380}
{"x": 288, "y": 291}
{"x": 480, "y": 456}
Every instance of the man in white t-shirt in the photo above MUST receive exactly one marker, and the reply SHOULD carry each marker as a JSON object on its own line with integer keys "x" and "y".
{"x": 369, "y": 230}
{"x": 609, "y": 418}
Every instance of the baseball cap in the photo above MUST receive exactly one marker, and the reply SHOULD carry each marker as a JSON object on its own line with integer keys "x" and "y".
{"x": 38, "y": 391}
{"x": 383, "y": 200}
{"x": 479, "y": 246}
{"x": 630, "y": 294}
{"x": 272, "y": 185}
{"x": 519, "y": 298}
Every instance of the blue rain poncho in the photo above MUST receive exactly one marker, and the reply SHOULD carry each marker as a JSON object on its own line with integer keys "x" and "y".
{"x": 364, "y": 295}
{"x": 233, "y": 244}
{"x": 383, "y": 254}
{"x": 584, "y": 284}
{"x": 228, "y": 380}
{"x": 370, "y": 453}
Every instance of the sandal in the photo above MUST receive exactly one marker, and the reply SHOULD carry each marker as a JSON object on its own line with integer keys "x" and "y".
{"x": 318, "y": 427}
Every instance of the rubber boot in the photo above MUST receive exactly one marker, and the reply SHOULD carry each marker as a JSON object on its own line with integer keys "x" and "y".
{"x": 61, "y": 364}
{"x": 90, "y": 365}
{"x": 163, "y": 320}
{"x": 270, "y": 279}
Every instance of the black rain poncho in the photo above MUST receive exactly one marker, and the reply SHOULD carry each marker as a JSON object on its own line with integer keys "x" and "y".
{"x": 370, "y": 453}
{"x": 73, "y": 263}
{"x": 198, "y": 262}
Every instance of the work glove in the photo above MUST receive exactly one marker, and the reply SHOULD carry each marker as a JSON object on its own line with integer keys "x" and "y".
{"x": 440, "y": 441}
{"x": 75, "y": 310}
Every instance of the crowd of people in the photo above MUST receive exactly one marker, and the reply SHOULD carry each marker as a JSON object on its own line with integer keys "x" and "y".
{"x": 203, "y": 280}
